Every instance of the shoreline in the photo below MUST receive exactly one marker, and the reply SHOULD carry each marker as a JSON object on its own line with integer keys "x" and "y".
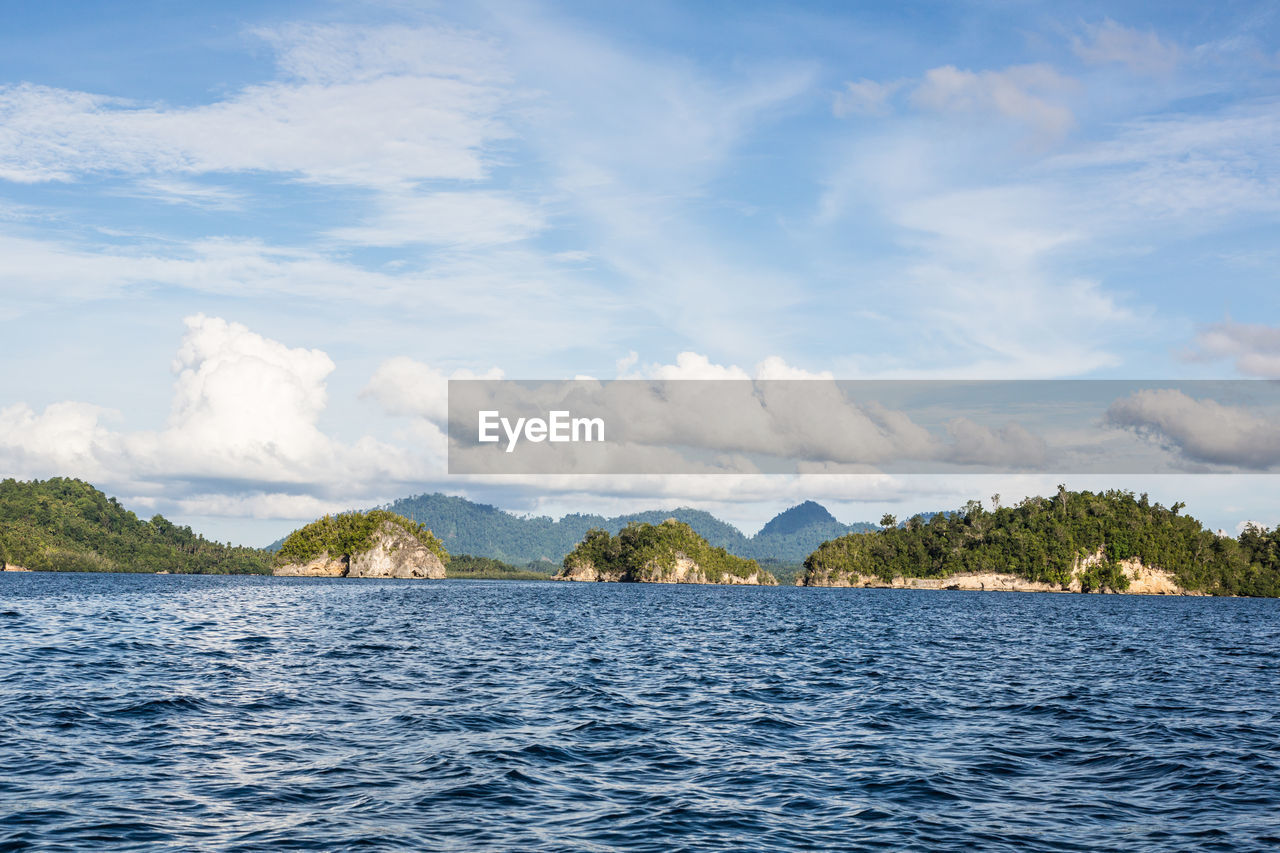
{"x": 955, "y": 583}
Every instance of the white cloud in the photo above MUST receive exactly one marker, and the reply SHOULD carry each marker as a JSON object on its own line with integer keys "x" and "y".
{"x": 474, "y": 218}
{"x": 864, "y": 97}
{"x": 1202, "y": 431}
{"x": 774, "y": 367}
{"x": 498, "y": 295}
{"x": 1009, "y": 446}
{"x": 359, "y": 109}
{"x": 1110, "y": 42}
{"x": 66, "y": 437}
{"x": 693, "y": 365}
{"x": 1199, "y": 169}
{"x": 1254, "y": 347}
{"x": 269, "y": 505}
{"x": 245, "y": 414}
{"x": 408, "y": 388}
{"x": 240, "y": 394}
{"x": 983, "y": 284}
{"x": 1031, "y": 94}
{"x": 633, "y": 143}
{"x": 332, "y": 53}
{"x": 628, "y": 361}
{"x": 189, "y": 193}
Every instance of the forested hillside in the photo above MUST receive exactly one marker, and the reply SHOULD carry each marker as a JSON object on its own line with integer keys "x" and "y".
{"x": 472, "y": 528}
{"x": 1042, "y": 539}
{"x": 67, "y": 525}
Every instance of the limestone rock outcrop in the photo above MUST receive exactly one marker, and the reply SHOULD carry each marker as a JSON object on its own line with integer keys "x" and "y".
{"x": 393, "y": 552}
{"x": 322, "y": 566}
{"x": 1143, "y": 580}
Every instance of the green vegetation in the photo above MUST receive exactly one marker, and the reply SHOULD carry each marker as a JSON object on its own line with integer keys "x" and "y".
{"x": 350, "y": 533}
{"x": 487, "y": 568}
{"x": 1043, "y": 538}
{"x": 69, "y": 526}
{"x": 487, "y": 531}
{"x": 648, "y": 552}
{"x": 784, "y": 571}
{"x": 794, "y": 533}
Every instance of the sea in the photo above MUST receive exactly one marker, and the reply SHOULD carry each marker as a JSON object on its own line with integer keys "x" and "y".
{"x": 197, "y": 713}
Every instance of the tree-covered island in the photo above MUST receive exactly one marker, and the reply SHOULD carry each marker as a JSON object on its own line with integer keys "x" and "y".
{"x": 373, "y": 544}
{"x": 1112, "y": 541}
{"x": 670, "y": 552}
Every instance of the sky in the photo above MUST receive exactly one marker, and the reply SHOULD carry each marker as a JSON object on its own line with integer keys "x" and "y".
{"x": 244, "y": 245}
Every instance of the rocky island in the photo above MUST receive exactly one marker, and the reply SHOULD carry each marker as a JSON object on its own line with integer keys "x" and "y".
{"x": 1073, "y": 542}
{"x": 670, "y": 552}
{"x": 374, "y": 544}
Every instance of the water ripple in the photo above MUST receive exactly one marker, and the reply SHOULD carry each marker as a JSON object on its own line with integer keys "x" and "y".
{"x": 246, "y": 714}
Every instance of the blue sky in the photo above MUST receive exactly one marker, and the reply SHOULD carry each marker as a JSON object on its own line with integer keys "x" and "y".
{"x": 242, "y": 247}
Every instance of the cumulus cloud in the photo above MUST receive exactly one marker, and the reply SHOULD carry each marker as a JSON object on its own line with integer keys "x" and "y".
{"x": 1254, "y": 347}
{"x": 1202, "y": 431}
{"x": 66, "y": 436}
{"x": 404, "y": 387}
{"x": 693, "y": 365}
{"x": 1009, "y": 446}
{"x": 244, "y": 395}
{"x": 1113, "y": 43}
{"x": 245, "y": 414}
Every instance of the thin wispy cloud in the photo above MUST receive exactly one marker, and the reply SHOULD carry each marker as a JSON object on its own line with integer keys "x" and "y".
{"x": 1142, "y": 51}
{"x": 547, "y": 190}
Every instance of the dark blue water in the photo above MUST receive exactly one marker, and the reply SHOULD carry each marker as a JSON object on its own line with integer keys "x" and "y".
{"x": 190, "y": 713}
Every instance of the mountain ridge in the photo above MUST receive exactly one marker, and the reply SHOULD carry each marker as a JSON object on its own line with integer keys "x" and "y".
{"x": 484, "y": 530}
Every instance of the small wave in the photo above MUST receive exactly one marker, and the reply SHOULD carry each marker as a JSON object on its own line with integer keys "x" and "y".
{"x": 524, "y": 717}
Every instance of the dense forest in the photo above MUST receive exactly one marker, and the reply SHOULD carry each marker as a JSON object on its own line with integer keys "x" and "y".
{"x": 483, "y": 530}
{"x": 350, "y": 533}
{"x": 67, "y": 525}
{"x": 1043, "y": 538}
{"x": 644, "y": 552}
{"x": 487, "y": 568}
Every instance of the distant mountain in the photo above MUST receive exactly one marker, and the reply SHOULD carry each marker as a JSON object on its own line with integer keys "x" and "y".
{"x": 482, "y": 530}
{"x": 793, "y": 534}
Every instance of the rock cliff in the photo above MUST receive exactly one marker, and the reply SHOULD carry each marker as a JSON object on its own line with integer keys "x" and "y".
{"x": 385, "y": 547}
{"x": 395, "y": 554}
{"x": 1143, "y": 580}
{"x": 582, "y": 569}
